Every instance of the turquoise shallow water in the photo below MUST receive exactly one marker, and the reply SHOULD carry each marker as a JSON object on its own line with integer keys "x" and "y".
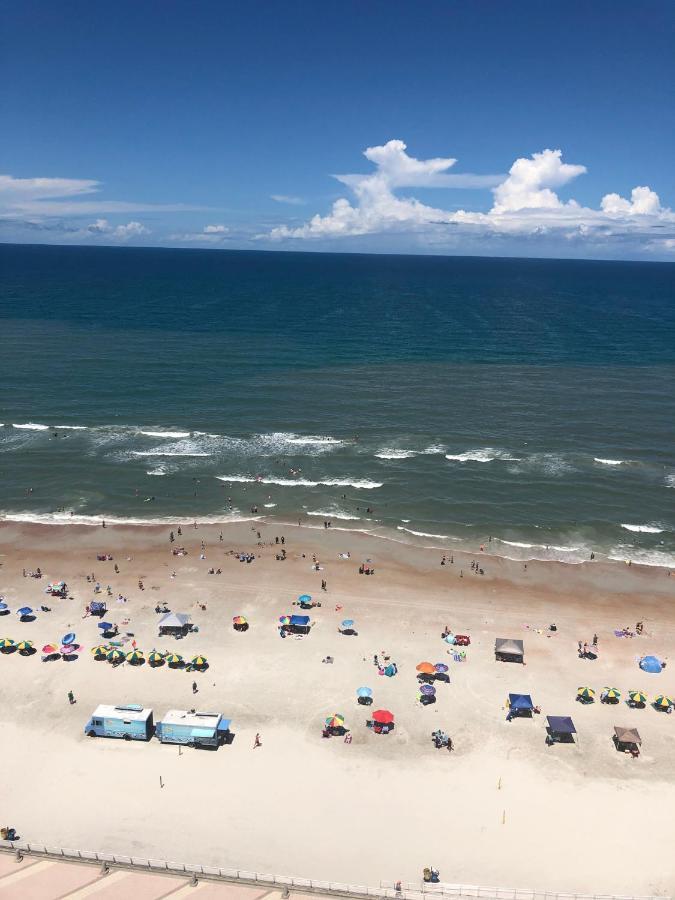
{"x": 531, "y": 401}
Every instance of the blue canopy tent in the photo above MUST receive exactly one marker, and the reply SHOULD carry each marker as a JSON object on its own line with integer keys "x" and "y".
{"x": 520, "y": 704}
{"x": 651, "y": 664}
{"x": 298, "y": 624}
{"x": 560, "y": 729}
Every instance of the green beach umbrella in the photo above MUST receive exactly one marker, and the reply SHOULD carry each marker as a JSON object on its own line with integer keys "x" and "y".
{"x": 135, "y": 657}
{"x": 156, "y": 659}
{"x": 115, "y": 656}
{"x": 585, "y": 693}
{"x": 638, "y": 697}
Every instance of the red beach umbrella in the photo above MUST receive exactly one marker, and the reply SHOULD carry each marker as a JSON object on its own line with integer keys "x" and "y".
{"x": 383, "y": 717}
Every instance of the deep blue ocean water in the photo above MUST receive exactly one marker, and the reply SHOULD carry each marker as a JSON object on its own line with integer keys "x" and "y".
{"x": 456, "y": 398}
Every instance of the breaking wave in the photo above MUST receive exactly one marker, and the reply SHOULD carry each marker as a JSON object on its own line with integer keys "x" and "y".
{"x": 360, "y": 484}
{"x": 644, "y": 529}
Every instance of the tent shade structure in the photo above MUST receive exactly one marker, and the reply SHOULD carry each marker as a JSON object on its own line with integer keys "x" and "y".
{"x": 115, "y": 656}
{"x": 155, "y": 658}
{"x": 135, "y": 657}
{"x": 626, "y": 738}
{"x": 299, "y": 621}
{"x": 174, "y": 659}
{"x": 101, "y": 651}
{"x": 560, "y": 730}
{"x": 637, "y": 698}
{"x": 610, "y": 695}
{"x": 520, "y": 702}
{"x": 199, "y": 662}
{"x": 48, "y": 649}
{"x": 6, "y": 644}
{"x": 174, "y": 623}
{"x": 106, "y": 626}
{"x": 240, "y": 620}
{"x": 295, "y": 624}
{"x": 24, "y": 611}
{"x": 68, "y": 638}
{"x": 383, "y": 717}
{"x": 585, "y": 694}
{"x": 337, "y": 721}
{"x": 133, "y": 723}
{"x": 426, "y": 668}
{"x": 364, "y": 692}
{"x": 509, "y": 650}
{"x": 660, "y": 702}
{"x": 97, "y": 608}
{"x": 27, "y": 646}
{"x": 651, "y": 664}
{"x": 197, "y": 729}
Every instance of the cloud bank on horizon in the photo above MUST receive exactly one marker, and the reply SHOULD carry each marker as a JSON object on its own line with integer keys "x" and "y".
{"x": 525, "y": 203}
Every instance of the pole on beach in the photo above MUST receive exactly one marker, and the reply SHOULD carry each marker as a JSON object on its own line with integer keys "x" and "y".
{"x": 504, "y": 817}
{"x": 161, "y": 783}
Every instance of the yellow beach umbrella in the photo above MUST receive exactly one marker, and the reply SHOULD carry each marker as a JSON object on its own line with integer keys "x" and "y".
{"x": 662, "y": 702}
{"x": 174, "y": 659}
{"x": 115, "y": 656}
{"x": 586, "y": 693}
{"x": 155, "y": 658}
{"x": 199, "y": 662}
{"x": 637, "y": 697}
{"x": 101, "y": 651}
{"x": 612, "y": 694}
{"x": 6, "y": 643}
{"x": 135, "y": 657}
{"x": 22, "y": 646}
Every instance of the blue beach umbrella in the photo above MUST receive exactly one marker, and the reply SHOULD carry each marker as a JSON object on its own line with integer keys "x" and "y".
{"x": 441, "y": 667}
{"x": 68, "y": 639}
{"x": 304, "y": 598}
{"x": 347, "y": 623}
{"x": 24, "y": 611}
{"x": 428, "y": 690}
{"x": 105, "y": 626}
{"x": 364, "y": 692}
{"x": 449, "y": 639}
{"x": 651, "y": 664}
{"x": 3, "y": 606}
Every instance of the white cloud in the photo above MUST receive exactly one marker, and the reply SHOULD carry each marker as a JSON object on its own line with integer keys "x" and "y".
{"x": 210, "y": 234}
{"x": 120, "y": 232}
{"x": 525, "y": 202}
{"x": 215, "y": 229}
{"x": 286, "y": 198}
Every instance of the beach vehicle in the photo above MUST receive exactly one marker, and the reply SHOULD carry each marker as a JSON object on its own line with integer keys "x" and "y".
{"x": 132, "y": 722}
{"x": 196, "y": 729}
{"x": 509, "y": 650}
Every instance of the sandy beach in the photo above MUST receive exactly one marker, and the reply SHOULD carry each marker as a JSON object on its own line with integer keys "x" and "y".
{"x": 502, "y": 809}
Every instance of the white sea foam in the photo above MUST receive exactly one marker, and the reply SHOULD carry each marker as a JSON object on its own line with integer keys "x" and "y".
{"x": 169, "y": 453}
{"x": 609, "y": 462}
{"x": 295, "y": 439}
{"x": 160, "y": 470}
{"x": 269, "y": 505}
{"x": 548, "y": 463}
{"x": 646, "y": 529}
{"x": 361, "y": 484}
{"x": 166, "y": 434}
{"x": 642, "y": 557}
{"x": 481, "y": 455}
{"x": 31, "y": 426}
{"x": 70, "y": 428}
{"x": 395, "y": 454}
{"x": 670, "y": 480}
{"x": 65, "y": 518}
{"x": 440, "y": 537}
{"x": 332, "y": 514}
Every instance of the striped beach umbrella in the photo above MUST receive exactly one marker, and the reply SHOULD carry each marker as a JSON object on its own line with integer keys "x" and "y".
{"x": 174, "y": 659}
{"x": 24, "y": 646}
{"x": 101, "y": 651}
{"x": 612, "y": 694}
{"x": 115, "y": 656}
{"x": 637, "y": 697}
{"x": 48, "y": 649}
{"x": 662, "y": 702}
{"x": 199, "y": 662}
{"x": 428, "y": 690}
{"x": 135, "y": 657}
{"x": 285, "y": 620}
{"x": 426, "y": 668}
{"x": 6, "y": 643}
{"x": 156, "y": 659}
{"x": 441, "y": 668}
{"x": 240, "y": 620}
{"x": 585, "y": 693}
{"x": 335, "y": 721}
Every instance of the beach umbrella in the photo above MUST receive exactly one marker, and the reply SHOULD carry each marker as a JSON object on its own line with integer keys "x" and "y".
{"x": 285, "y": 620}
{"x": 335, "y": 721}
{"x": 198, "y": 662}
{"x": 24, "y": 611}
{"x": 441, "y": 668}
{"x": 68, "y": 638}
{"x": 662, "y": 702}
{"x": 69, "y": 649}
{"x": 428, "y": 690}
{"x": 174, "y": 659}
{"x": 304, "y": 598}
{"x": 586, "y": 693}
{"x": 637, "y": 697}
{"x": 156, "y": 659}
{"x": 115, "y": 656}
{"x": 612, "y": 694}
{"x": 383, "y": 717}
{"x": 347, "y": 623}
{"x": 23, "y": 646}
{"x": 48, "y": 649}
{"x": 426, "y": 668}
{"x": 135, "y": 657}
{"x": 105, "y": 626}
{"x": 6, "y": 643}
{"x": 239, "y": 620}
{"x": 101, "y": 651}
{"x": 3, "y": 605}
{"x": 651, "y": 664}
{"x": 364, "y": 692}
{"x": 449, "y": 639}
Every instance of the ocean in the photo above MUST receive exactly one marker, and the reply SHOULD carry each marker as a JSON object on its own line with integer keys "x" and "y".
{"x": 434, "y": 400}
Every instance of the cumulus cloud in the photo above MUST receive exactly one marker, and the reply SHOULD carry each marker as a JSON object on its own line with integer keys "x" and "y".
{"x": 120, "y": 232}
{"x": 524, "y": 202}
{"x": 215, "y": 229}
{"x": 210, "y": 234}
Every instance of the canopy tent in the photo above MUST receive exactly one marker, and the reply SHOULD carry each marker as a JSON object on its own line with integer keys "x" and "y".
{"x": 651, "y": 664}
{"x": 509, "y": 649}
{"x": 299, "y": 621}
{"x": 561, "y": 724}
{"x": 520, "y": 702}
{"x": 627, "y": 736}
{"x": 174, "y": 620}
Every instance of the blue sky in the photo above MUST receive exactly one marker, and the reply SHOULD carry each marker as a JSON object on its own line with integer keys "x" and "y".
{"x": 179, "y": 123}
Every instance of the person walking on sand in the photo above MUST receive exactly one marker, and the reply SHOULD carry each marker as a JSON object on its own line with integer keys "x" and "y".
{"x": 194, "y": 687}
{"x": 257, "y": 742}
{"x": 71, "y": 697}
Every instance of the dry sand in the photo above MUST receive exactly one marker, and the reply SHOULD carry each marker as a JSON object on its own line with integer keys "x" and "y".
{"x": 503, "y": 809}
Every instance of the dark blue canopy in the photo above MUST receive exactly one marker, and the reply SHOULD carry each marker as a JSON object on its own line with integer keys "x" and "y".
{"x": 561, "y": 724}
{"x": 300, "y": 620}
{"x": 520, "y": 701}
{"x": 96, "y": 606}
